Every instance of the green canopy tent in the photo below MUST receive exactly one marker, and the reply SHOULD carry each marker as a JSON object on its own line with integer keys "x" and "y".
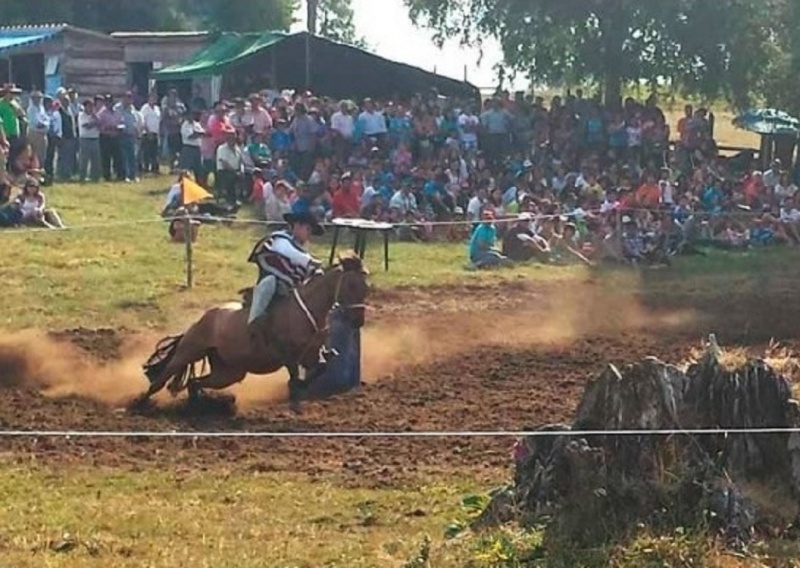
{"x": 245, "y": 62}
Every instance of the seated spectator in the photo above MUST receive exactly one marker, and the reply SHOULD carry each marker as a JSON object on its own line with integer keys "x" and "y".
{"x": 515, "y": 244}
{"x": 277, "y": 203}
{"x": 482, "y": 251}
{"x": 10, "y": 210}
{"x": 32, "y": 204}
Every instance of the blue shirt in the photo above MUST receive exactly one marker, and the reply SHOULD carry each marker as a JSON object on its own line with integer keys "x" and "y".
{"x": 483, "y": 237}
{"x": 301, "y": 206}
{"x": 280, "y": 140}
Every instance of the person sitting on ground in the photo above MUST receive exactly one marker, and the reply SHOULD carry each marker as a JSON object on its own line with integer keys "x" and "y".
{"x": 32, "y": 204}
{"x": 482, "y": 251}
{"x": 518, "y": 242}
{"x": 10, "y": 210}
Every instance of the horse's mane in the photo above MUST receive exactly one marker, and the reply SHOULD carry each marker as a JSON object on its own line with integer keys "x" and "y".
{"x": 349, "y": 263}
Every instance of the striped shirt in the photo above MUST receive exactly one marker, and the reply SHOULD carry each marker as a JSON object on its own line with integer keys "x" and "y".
{"x": 281, "y": 256}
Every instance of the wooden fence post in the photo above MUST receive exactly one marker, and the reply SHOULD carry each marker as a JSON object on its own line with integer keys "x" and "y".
{"x": 187, "y": 236}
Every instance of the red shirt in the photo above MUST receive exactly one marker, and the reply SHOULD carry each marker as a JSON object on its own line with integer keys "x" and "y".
{"x": 346, "y": 204}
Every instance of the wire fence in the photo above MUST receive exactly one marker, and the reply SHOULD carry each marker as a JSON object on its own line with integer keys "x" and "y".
{"x": 420, "y": 435}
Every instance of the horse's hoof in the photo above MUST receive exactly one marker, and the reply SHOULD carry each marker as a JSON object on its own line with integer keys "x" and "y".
{"x": 295, "y": 407}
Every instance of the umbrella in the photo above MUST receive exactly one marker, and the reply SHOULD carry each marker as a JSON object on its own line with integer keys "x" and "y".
{"x": 767, "y": 121}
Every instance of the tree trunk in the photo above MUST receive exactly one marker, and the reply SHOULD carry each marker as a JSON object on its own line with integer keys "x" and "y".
{"x": 612, "y": 88}
{"x": 312, "y": 9}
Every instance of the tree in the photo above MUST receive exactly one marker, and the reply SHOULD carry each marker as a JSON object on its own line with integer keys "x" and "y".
{"x": 241, "y": 16}
{"x": 334, "y": 19}
{"x": 134, "y": 15}
{"x": 713, "y": 48}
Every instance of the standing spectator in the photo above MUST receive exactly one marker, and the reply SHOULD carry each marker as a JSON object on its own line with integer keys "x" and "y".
{"x": 373, "y": 123}
{"x": 229, "y": 166}
{"x": 496, "y": 123}
{"x": 11, "y": 113}
{"x": 53, "y": 137}
{"x": 257, "y": 120}
{"x": 151, "y": 116}
{"x": 130, "y": 133}
{"x": 192, "y": 134}
{"x": 303, "y": 130}
{"x": 172, "y": 113}
{"x": 38, "y": 126}
{"x": 68, "y": 146}
{"x": 110, "y": 131}
{"x": 343, "y": 127}
{"x": 89, "y": 142}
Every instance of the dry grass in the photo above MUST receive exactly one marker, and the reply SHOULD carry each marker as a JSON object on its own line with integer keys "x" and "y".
{"x": 782, "y": 359}
{"x": 89, "y": 517}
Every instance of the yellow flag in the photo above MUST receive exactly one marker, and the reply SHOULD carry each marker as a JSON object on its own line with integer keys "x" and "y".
{"x": 193, "y": 192}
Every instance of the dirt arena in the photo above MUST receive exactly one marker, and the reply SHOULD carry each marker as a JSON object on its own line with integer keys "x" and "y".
{"x": 499, "y": 357}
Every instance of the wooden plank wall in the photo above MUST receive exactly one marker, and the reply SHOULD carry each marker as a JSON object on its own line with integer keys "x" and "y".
{"x": 94, "y": 64}
{"x": 168, "y": 51}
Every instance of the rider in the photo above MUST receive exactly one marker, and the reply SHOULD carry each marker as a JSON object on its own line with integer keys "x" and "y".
{"x": 283, "y": 263}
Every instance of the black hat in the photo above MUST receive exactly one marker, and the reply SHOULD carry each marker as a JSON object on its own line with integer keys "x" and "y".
{"x": 305, "y": 219}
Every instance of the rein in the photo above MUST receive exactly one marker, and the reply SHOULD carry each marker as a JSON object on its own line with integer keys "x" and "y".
{"x": 310, "y": 316}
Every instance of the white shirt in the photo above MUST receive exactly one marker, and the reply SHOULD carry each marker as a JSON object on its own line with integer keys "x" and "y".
{"x": 233, "y": 156}
{"x": 404, "y": 202}
{"x": 468, "y": 126}
{"x": 474, "y": 209}
{"x": 189, "y": 128}
{"x": 38, "y": 119}
{"x": 88, "y": 132}
{"x": 152, "y": 118}
{"x": 343, "y": 124}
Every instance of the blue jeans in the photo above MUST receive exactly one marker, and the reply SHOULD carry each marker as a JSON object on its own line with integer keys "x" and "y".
{"x": 128, "y": 151}
{"x": 489, "y": 259}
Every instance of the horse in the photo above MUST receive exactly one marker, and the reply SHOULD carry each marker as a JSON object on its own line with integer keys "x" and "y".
{"x": 291, "y": 334}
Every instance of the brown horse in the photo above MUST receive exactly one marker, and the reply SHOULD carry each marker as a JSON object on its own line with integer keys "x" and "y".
{"x": 291, "y": 334}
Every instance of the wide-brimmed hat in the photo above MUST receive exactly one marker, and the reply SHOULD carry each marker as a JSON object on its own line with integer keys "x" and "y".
{"x": 305, "y": 219}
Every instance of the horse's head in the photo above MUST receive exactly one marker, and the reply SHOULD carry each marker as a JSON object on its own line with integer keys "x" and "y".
{"x": 352, "y": 288}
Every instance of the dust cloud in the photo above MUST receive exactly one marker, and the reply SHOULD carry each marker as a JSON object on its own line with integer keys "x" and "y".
{"x": 61, "y": 369}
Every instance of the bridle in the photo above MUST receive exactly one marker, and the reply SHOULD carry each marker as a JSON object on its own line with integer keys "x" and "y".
{"x": 336, "y": 304}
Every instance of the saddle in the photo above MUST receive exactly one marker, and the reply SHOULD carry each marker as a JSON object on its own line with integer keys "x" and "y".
{"x": 246, "y": 295}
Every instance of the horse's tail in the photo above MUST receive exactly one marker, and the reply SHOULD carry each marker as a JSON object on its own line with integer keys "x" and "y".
{"x": 159, "y": 361}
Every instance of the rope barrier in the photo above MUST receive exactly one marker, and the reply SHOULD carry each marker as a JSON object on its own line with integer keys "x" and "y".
{"x": 257, "y": 222}
{"x": 392, "y": 435}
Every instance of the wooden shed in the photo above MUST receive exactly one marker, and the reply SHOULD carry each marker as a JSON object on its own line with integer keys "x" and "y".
{"x": 47, "y": 57}
{"x": 146, "y": 52}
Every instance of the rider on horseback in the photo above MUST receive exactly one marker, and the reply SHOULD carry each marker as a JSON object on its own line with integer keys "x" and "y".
{"x": 283, "y": 263}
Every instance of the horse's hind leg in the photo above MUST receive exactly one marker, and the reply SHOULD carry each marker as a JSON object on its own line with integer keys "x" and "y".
{"x": 221, "y": 377}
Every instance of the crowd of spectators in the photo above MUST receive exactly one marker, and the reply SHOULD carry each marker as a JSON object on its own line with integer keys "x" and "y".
{"x": 568, "y": 180}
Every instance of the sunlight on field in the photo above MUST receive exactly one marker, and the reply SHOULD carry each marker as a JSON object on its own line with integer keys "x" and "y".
{"x": 103, "y": 518}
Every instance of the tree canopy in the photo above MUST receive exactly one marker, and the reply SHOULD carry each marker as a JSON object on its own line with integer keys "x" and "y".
{"x": 710, "y": 48}
{"x": 138, "y": 15}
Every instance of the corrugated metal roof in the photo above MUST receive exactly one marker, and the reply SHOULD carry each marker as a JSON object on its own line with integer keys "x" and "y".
{"x": 16, "y": 37}
{"x": 165, "y": 35}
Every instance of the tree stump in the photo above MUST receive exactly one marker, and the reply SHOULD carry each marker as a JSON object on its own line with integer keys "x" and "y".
{"x": 596, "y": 488}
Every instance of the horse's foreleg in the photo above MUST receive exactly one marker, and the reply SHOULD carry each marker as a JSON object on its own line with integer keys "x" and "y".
{"x": 295, "y": 387}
